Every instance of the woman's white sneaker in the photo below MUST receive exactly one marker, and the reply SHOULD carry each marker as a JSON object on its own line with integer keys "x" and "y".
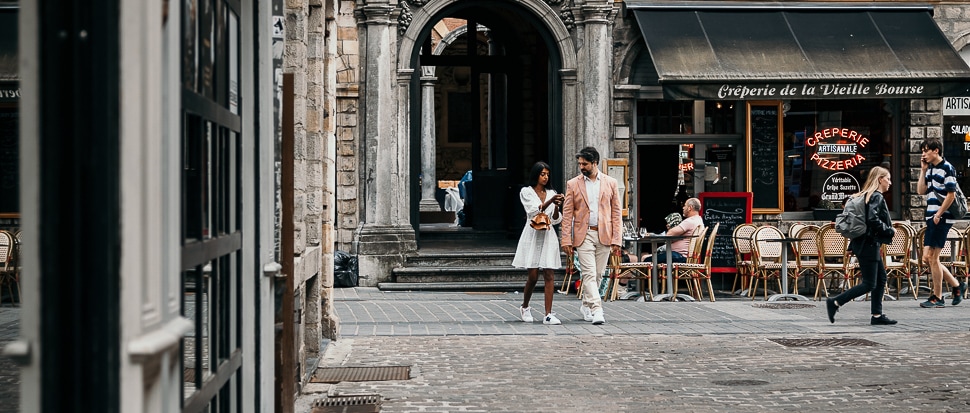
{"x": 526, "y": 314}
{"x": 551, "y": 319}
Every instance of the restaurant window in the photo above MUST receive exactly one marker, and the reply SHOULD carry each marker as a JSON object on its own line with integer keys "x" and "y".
{"x": 665, "y": 117}
{"x": 829, "y": 145}
{"x": 704, "y": 155}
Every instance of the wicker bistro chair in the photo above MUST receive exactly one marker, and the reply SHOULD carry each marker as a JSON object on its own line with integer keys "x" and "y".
{"x": 918, "y": 267}
{"x": 806, "y": 254}
{"x": 834, "y": 260}
{"x": 700, "y": 268}
{"x": 766, "y": 258}
{"x": 694, "y": 253}
{"x": 742, "y": 255}
{"x": 9, "y": 274}
{"x": 959, "y": 264}
{"x": 896, "y": 255}
{"x": 568, "y": 276}
{"x": 639, "y": 271}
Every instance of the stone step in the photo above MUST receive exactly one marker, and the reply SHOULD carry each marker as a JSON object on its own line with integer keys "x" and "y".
{"x": 460, "y": 259}
{"x": 455, "y": 274}
{"x": 498, "y": 286}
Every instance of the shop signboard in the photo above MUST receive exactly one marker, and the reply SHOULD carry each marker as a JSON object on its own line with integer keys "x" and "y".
{"x": 839, "y": 186}
{"x": 730, "y": 209}
{"x": 956, "y": 136}
{"x": 810, "y": 90}
{"x": 9, "y": 92}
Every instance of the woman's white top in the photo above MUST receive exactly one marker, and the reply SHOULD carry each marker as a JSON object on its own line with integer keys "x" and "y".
{"x": 537, "y": 249}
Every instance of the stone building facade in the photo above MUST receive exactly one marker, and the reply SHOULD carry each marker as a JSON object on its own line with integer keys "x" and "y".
{"x": 309, "y": 54}
{"x": 592, "y": 50}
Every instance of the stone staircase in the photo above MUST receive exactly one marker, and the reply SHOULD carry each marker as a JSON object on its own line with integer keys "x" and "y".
{"x": 451, "y": 258}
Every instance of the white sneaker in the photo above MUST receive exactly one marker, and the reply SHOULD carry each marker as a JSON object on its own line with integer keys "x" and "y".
{"x": 587, "y": 315}
{"x": 598, "y": 317}
{"x": 551, "y": 319}
{"x": 526, "y": 314}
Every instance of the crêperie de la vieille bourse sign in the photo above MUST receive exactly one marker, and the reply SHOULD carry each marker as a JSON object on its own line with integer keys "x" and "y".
{"x": 9, "y": 93}
{"x": 805, "y": 90}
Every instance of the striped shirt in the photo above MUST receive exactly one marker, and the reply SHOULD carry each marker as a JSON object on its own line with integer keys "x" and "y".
{"x": 940, "y": 179}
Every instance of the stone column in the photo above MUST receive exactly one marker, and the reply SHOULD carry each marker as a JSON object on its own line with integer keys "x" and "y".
{"x": 385, "y": 235}
{"x": 572, "y": 122}
{"x": 498, "y": 139}
{"x": 596, "y": 68}
{"x": 429, "y": 179}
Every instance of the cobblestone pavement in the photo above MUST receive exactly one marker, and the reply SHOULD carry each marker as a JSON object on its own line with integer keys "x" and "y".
{"x": 469, "y": 353}
{"x": 9, "y": 372}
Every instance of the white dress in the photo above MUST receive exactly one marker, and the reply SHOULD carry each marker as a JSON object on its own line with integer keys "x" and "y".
{"x": 537, "y": 249}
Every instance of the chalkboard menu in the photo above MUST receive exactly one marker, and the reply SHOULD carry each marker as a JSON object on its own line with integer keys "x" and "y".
{"x": 764, "y": 156}
{"x": 730, "y": 209}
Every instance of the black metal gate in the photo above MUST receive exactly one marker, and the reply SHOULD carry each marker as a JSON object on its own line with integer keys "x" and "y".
{"x": 211, "y": 206}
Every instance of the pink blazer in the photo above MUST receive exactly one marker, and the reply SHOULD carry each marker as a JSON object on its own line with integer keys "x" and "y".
{"x": 575, "y": 214}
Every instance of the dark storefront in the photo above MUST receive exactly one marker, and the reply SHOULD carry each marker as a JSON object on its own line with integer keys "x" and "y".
{"x": 9, "y": 115}
{"x": 814, "y": 95}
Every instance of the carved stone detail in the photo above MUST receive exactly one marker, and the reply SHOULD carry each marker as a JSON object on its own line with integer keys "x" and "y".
{"x": 566, "y": 15}
{"x": 404, "y": 19}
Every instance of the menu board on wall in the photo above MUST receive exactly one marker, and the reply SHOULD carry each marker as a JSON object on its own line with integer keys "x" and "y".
{"x": 765, "y": 151}
{"x": 730, "y": 209}
{"x": 956, "y": 136}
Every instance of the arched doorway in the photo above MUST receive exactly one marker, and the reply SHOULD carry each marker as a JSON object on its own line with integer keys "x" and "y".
{"x": 495, "y": 90}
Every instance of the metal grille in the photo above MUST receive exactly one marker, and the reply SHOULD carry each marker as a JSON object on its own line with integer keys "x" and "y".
{"x": 348, "y": 404}
{"x": 339, "y": 374}
{"x": 824, "y": 342}
{"x": 783, "y": 306}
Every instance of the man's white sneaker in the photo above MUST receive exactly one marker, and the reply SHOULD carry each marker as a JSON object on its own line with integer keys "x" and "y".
{"x": 526, "y": 314}
{"x": 587, "y": 315}
{"x": 598, "y": 317}
{"x": 551, "y": 319}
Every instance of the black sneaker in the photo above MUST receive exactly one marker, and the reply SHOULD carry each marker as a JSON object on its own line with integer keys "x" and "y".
{"x": 832, "y": 308}
{"x": 933, "y": 302}
{"x": 958, "y": 293}
{"x": 882, "y": 320}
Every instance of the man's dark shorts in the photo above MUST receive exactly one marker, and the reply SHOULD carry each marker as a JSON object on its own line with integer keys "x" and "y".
{"x": 674, "y": 256}
{"x": 935, "y": 236}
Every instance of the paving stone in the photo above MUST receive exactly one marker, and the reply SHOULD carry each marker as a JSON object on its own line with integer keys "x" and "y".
{"x": 473, "y": 354}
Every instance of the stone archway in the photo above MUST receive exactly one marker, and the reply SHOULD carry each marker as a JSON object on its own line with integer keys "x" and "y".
{"x": 385, "y": 234}
{"x": 504, "y": 134}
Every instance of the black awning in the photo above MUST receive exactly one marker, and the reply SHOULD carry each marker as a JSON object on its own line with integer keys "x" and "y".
{"x": 769, "y": 52}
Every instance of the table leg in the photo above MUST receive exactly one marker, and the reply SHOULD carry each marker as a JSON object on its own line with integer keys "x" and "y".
{"x": 670, "y": 279}
{"x": 784, "y": 280}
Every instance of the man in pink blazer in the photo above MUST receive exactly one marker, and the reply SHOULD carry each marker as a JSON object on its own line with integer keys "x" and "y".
{"x": 591, "y": 226}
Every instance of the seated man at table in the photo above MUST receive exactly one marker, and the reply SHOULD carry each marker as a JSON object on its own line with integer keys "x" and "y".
{"x": 692, "y": 220}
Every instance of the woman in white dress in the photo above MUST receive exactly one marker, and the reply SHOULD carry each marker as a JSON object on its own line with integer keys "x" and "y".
{"x": 539, "y": 249}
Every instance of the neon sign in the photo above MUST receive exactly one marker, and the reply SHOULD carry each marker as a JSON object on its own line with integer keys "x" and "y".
{"x": 834, "y": 144}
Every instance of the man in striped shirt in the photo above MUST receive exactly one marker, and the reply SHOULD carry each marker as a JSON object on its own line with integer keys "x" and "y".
{"x": 939, "y": 184}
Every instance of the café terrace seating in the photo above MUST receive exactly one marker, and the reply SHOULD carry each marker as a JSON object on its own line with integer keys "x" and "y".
{"x": 9, "y": 271}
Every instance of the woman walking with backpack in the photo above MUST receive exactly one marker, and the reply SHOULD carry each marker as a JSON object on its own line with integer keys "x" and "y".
{"x": 879, "y": 230}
